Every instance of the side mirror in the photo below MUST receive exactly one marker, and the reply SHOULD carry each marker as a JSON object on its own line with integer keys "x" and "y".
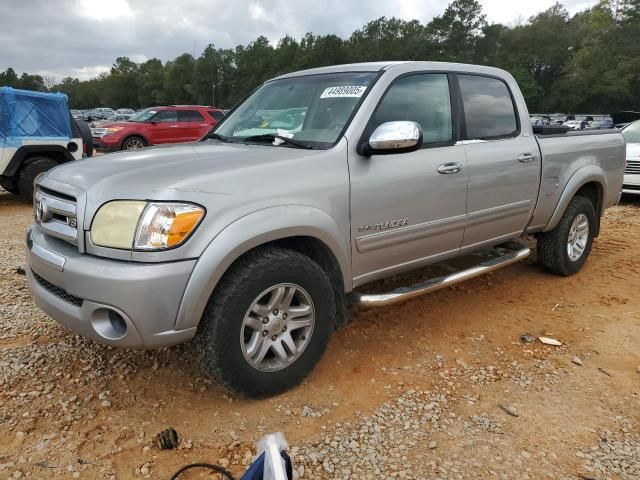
{"x": 394, "y": 137}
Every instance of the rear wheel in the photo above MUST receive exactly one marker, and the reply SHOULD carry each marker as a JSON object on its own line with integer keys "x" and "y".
{"x": 29, "y": 172}
{"x": 565, "y": 249}
{"x": 267, "y": 323}
{"x": 133, "y": 143}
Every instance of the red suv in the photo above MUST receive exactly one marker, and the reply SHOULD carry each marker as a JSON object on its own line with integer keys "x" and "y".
{"x": 157, "y": 125}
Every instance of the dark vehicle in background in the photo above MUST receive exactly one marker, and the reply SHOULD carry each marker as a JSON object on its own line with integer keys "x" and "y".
{"x": 631, "y": 134}
{"x": 622, "y": 119}
{"x": 157, "y": 125}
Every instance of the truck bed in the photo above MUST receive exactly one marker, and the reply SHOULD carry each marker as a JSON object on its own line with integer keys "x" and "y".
{"x": 566, "y": 153}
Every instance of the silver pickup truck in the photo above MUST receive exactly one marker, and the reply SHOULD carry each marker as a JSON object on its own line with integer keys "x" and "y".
{"x": 255, "y": 239}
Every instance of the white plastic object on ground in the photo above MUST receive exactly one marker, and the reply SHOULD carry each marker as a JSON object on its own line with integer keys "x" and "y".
{"x": 274, "y": 465}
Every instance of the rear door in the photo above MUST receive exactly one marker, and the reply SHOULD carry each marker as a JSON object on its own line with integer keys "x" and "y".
{"x": 164, "y": 127}
{"x": 195, "y": 123}
{"x": 408, "y": 209}
{"x": 504, "y": 162}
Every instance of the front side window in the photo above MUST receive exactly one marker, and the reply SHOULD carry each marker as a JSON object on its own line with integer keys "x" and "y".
{"x": 421, "y": 98}
{"x": 312, "y": 110}
{"x": 488, "y": 107}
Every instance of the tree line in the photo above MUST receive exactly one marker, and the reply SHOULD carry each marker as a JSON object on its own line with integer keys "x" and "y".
{"x": 588, "y": 62}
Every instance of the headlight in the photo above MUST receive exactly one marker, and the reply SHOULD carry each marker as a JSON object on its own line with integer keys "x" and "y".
{"x": 112, "y": 130}
{"x": 167, "y": 225}
{"x": 144, "y": 226}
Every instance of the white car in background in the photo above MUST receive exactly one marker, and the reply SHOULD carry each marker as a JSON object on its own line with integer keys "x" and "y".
{"x": 631, "y": 134}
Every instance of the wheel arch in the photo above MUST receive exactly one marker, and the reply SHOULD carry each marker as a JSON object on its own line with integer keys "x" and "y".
{"x": 589, "y": 182}
{"x": 25, "y": 153}
{"x": 305, "y": 229}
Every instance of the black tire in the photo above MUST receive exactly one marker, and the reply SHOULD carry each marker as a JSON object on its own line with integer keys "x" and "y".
{"x": 552, "y": 246}
{"x": 129, "y": 141}
{"x": 29, "y": 172}
{"x": 218, "y": 334}
{"x": 9, "y": 185}
{"x": 87, "y": 138}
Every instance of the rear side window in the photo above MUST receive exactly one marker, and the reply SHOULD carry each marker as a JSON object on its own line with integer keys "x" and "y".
{"x": 488, "y": 107}
{"x": 189, "y": 116}
{"x": 421, "y": 98}
{"x": 216, "y": 114}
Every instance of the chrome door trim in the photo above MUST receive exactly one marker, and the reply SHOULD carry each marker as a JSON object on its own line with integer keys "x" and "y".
{"x": 378, "y": 240}
{"x": 499, "y": 212}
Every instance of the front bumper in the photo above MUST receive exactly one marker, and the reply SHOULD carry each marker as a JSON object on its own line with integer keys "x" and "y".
{"x": 631, "y": 184}
{"x": 126, "y": 304}
{"x": 104, "y": 144}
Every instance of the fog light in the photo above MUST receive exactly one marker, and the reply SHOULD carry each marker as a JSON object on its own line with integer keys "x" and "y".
{"x": 109, "y": 324}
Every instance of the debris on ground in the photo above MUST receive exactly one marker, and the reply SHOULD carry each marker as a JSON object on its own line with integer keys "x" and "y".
{"x": 526, "y": 338}
{"x": 550, "y": 341}
{"x": 509, "y": 410}
{"x": 577, "y": 361}
{"x": 168, "y": 439}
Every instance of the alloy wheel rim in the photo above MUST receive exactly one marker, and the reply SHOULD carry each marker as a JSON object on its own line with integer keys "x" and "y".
{"x": 578, "y": 237}
{"x": 134, "y": 144}
{"x": 277, "y": 327}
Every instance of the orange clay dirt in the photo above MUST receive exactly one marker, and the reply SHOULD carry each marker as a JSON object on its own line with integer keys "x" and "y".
{"x": 416, "y": 390}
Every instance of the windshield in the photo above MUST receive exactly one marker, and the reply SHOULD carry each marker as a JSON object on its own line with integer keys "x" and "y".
{"x": 312, "y": 109}
{"x": 632, "y": 133}
{"x": 143, "y": 115}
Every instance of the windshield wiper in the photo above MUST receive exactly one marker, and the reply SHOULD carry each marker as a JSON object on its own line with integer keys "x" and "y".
{"x": 217, "y": 136}
{"x": 273, "y": 136}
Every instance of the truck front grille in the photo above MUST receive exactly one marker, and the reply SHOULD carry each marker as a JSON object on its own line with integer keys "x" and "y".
{"x": 56, "y": 214}
{"x": 61, "y": 293}
{"x": 633, "y": 167}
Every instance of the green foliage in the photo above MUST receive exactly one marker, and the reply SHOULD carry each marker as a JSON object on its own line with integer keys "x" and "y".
{"x": 588, "y": 63}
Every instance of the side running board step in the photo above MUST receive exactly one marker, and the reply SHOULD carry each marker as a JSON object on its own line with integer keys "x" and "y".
{"x": 514, "y": 252}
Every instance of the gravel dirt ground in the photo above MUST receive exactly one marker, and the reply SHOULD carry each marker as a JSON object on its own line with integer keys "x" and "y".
{"x": 438, "y": 387}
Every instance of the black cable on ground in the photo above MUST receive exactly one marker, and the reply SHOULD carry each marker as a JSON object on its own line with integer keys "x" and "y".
{"x": 210, "y": 466}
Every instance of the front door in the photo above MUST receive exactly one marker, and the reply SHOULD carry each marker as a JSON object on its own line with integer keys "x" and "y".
{"x": 165, "y": 127}
{"x": 408, "y": 209}
{"x": 504, "y": 162}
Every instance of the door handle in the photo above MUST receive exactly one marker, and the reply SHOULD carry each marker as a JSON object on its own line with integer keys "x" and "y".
{"x": 526, "y": 157}
{"x": 451, "y": 167}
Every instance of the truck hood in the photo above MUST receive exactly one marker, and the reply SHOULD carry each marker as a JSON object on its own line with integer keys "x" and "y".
{"x": 158, "y": 172}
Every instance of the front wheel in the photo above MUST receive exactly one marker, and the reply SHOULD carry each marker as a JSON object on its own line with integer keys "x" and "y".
{"x": 133, "y": 143}
{"x": 565, "y": 249}
{"x": 267, "y": 323}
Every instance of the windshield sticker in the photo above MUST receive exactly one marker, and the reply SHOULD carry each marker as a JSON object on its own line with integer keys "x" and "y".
{"x": 346, "y": 91}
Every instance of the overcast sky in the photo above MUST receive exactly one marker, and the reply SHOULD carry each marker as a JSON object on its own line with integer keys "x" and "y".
{"x": 82, "y": 38}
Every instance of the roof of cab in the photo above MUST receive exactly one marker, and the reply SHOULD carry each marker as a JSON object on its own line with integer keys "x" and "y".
{"x": 379, "y": 66}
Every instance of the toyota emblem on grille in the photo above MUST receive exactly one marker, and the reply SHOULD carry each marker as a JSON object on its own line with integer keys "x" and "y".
{"x": 42, "y": 211}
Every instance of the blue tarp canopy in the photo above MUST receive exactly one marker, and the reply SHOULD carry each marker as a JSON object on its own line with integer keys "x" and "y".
{"x": 32, "y": 115}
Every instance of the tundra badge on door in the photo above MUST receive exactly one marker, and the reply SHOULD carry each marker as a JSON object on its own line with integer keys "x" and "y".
{"x": 376, "y": 227}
